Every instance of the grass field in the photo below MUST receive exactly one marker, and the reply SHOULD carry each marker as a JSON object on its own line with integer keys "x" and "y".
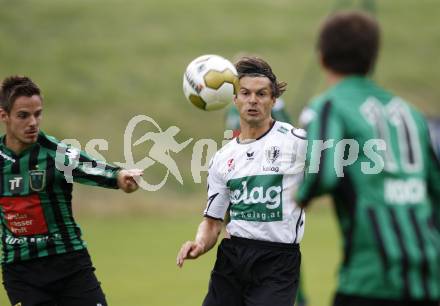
{"x": 102, "y": 62}
{"x": 135, "y": 258}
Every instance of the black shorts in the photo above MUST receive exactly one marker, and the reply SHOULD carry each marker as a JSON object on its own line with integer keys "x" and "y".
{"x": 254, "y": 273}
{"x": 352, "y": 300}
{"x": 58, "y": 280}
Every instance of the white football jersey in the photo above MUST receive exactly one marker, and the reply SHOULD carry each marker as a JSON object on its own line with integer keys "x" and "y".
{"x": 257, "y": 182}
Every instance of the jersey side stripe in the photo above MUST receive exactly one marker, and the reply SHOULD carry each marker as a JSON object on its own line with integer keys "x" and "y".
{"x": 210, "y": 200}
{"x": 435, "y": 221}
{"x": 67, "y": 194}
{"x": 33, "y": 162}
{"x": 2, "y": 164}
{"x": 348, "y": 199}
{"x": 422, "y": 248}
{"x": 411, "y": 157}
{"x": 2, "y": 180}
{"x": 379, "y": 238}
{"x": 404, "y": 252}
{"x": 297, "y": 224}
{"x": 50, "y": 166}
{"x": 16, "y": 247}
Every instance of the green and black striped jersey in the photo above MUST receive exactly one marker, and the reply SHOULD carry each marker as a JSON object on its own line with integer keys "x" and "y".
{"x": 378, "y": 165}
{"x": 36, "y": 197}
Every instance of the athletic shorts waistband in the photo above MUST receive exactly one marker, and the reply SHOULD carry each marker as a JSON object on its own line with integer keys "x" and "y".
{"x": 265, "y": 244}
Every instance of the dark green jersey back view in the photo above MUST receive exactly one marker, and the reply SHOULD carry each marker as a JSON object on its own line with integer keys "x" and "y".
{"x": 36, "y": 197}
{"x": 386, "y": 199}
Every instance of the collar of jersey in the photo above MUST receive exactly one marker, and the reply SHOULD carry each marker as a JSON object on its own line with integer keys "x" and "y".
{"x": 11, "y": 153}
{"x": 264, "y": 134}
{"x": 352, "y": 80}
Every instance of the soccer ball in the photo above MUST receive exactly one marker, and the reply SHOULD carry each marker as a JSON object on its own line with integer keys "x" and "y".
{"x": 210, "y": 82}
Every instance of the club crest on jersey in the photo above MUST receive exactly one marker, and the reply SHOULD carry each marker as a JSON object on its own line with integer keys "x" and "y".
{"x": 272, "y": 154}
{"x": 37, "y": 180}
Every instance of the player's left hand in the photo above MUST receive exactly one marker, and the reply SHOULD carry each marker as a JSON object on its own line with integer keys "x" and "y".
{"x": 127, "y": 179}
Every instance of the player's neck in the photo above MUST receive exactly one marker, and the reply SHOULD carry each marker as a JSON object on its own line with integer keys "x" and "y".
{"x": 333, "y": 78}
{"x": 15, "y": 145}
{"x": 252, "y": 132}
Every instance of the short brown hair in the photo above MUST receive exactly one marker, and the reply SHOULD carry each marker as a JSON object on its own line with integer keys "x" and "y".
{"x": 257, "y": 67}
{"x": 16, "y": 86}
{"x": 349, "y": 42}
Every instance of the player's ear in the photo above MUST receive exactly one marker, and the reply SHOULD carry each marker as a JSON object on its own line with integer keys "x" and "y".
{"x": 3, "y": 114}
{"x": 321, "y": 60}
{"x": 234, "y": 99}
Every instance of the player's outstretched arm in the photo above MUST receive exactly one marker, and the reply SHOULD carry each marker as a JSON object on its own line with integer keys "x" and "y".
{"x": 127, "y": 179}
{"x": 207, "y": 235}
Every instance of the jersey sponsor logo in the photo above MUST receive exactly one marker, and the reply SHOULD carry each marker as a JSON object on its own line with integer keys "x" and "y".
{"x": 15, "y": 184}
{"x": 272, "y": 154}
{"x": 11, "y": 240}
{"x": 250, "y": 155}
{"x": 256, "y": 198}
{"x": 271, "y": 168}
{"x": 282, "y": 130}
{"x": 24, "y": 216}
{"x": 411, "y": 191}
{"x": 37, "y": 179}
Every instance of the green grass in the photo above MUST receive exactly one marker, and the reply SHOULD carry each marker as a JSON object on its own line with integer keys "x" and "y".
{"x": 135, "y": 259}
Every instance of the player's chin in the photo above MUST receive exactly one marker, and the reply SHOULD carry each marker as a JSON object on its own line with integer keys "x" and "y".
{"x": 253, "y": 119}
{"x": 30, "y": 138}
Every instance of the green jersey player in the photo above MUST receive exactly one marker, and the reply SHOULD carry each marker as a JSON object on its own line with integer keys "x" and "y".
{"x": 254, "y": 176}
{"x": 434, "y": 128}
{"x": 44, "y": 259}
{"x": 371, "y": 151}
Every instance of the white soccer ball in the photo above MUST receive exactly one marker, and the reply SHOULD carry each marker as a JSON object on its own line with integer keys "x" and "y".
{"x": 210, "y": 82}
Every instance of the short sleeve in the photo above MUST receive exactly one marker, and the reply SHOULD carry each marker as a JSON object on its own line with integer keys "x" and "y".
{"x": 218, "y": 192}
{"x": 324, "y": 129}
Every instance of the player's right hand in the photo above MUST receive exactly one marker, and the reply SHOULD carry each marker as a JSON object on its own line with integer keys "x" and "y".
{"x": 189, "y": 250}
{"x": 127, "y": 179}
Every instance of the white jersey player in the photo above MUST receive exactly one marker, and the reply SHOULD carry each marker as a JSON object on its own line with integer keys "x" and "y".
{"x": 257, "y": 180}
{"x": 254, "y": 177}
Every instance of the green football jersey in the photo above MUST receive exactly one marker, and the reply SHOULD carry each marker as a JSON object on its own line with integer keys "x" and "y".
{"x": 378, "y": 165}
{"x": 36, "y": 197}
